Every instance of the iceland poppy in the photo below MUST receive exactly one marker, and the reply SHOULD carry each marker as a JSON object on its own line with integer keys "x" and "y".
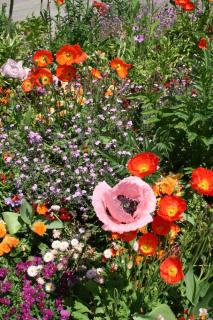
{"x": 171, "y": 207}
{"x": 143, "y": 164}
{"x": 202, "y": 181}
{"x": 171, "y": 270}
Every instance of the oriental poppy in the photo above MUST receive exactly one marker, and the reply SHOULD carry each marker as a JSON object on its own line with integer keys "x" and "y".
{"x": 171, "y": 270}
{"x": 148, "y": 244}
{"x": 160, "y": 226}
{"x": 69, "y": 54}
{"x": 202, "y": 44}
{"x": 66, "y": 73}
{"x": 171, "y": 207}
{"x": 120, "y": 67}
{"x": 202, "y": 181}
{"x": 42, "y": 58}
{"x": 143, "y": 164}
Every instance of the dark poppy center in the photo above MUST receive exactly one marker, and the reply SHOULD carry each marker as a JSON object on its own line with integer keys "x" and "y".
{"x": 129, "y": 205}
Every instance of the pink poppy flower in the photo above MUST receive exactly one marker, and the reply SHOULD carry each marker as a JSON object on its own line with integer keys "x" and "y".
{"x": 13, "y": 69}
{"x": 125, "y": 207}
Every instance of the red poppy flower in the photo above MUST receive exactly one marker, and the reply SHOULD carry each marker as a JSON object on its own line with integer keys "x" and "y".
{"x": 188, "y": 6}
{"x": 120, "y": 67}
{"x": 171, "y": 270}
{"x": 202, "y": 181}
{"x": 126, "y": 236}
{"x": 148, "y": 244}
{"x": 101, "y": 7}
{"x": 171, "y": 208}
{"x": 202, "y": 44}
{"x": 59, "y": 2}
{"x": 66, "y": 73}
{"x": 64, "y": 214}
{"x": 41, "y": 76}
{"x": 143, "y": 164}
{"x": 27, "y": 85}
{"x": 181, "y": 2}
{"x": 69, "y": 54}
{"x": 160, "y": 226}
{"x": 42, "y": 58}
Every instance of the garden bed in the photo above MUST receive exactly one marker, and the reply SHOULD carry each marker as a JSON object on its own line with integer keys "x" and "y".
{"x": 106, "y": 162}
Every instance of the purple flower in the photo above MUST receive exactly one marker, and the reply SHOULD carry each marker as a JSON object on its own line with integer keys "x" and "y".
{"x": 139, "y": 38}
{"x": 5, "y": 287}
{"x": 34, "y": 137}
{"x": 65, "y": 314}
{"x": 3, "y": 273}
{"x": 5, "y": 301}
{"x": 14, "y": 201}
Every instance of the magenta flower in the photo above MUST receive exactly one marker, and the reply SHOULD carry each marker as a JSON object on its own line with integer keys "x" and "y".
{"x": 125, "y": 207}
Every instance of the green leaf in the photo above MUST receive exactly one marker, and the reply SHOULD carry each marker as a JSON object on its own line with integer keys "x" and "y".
{"x": 162, "y": 310}
{"x": 12, "y": 221}
{"x": 81, "y": 307}
{"x": 79, "y": 316}
{"x": 54, "y": 224}
{"x": 190, "y": 285}
{"x": 205, "y": 302}
{"x": 26, "y": 212}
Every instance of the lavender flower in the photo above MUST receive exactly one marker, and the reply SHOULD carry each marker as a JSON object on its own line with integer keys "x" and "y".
{"x": 34, "y": 137}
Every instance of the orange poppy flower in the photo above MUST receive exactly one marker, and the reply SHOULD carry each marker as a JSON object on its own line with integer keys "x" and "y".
{"x": 12, "y": 242}
{"x": 148, "y": 244}
{"x": 96, "y": 74}
{"x": 4, "y": 247}
{"x": 143, "y": 229}
{"x": 41, "y": 76}
{"x": 3, "y": 230}
{"x": 174, "y": 230}
{"x": 143, "y": 164}
{"x": 171, "y": 270}
{"x": 202, "y": 181}
{"x": 42, "y": 58}
{"x": 69, "y": 54}
{"x": 59, "y": 2}
{"x": 171, "y": 208}
{"x": 27, "y": 85}
{"x": 66, "y": 73}
{"x": 181, "y": 2}
{"x": 120, "y": 67}
{"x": 188, "y": 6}
{"x": 41, "y": 209}
{"x": 202, "y": 44}
{"x": 39, "y": 228}
{"x": 126, "y": 236}
{"x": 160, "y": 226}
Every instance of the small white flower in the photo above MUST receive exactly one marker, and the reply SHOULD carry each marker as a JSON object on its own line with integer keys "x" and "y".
{"x": 74, "y": 243}
{"x": 32, "y": 271}
{"x": 64, "y": 245}
{"x": 60, "y": 266}
{"x": 75, "y": 256}
{"x": 99, "y": 271}
{"x": 135, "y": 246}
{"x": 48, "y": 257}
{"x": 107, "y": 253}
{"x": 56, "y": 234}
{"x": 39, "y": 267}
{"x": 55, "y": 208}
{"x": 49, "y": 287}
{"x": 99, "y": 279}
{"x": 56, "y": 244}
{"x": 41, "y": 281}
{"x": 160, "y": 317}
{"x": 91, "y": 274}
{"x": 80, "y": 247}
{"x": 203, "y": 312}
{"x": 81, "y": 230}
